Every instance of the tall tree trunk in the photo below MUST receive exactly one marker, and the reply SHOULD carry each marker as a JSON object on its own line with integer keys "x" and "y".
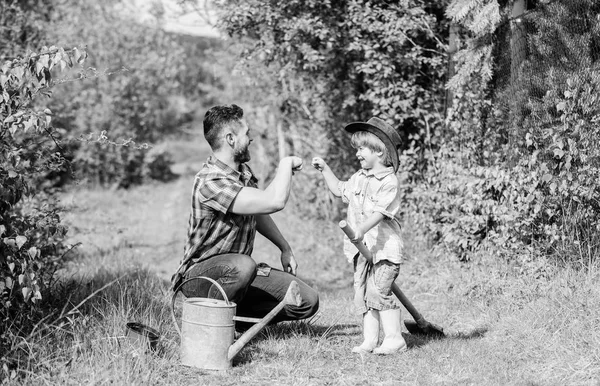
{"x": 518, "y": 42}
{"x": 452, "y": 48}
{"x": 518, "y": 53}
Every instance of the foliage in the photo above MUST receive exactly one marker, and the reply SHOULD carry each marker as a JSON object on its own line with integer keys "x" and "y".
{"x": 140, "y": 87}
{"x": 539, "y": 134}
{"x": 30, "y": 231}
{"x": 337, "y": 62}
{"x": 566, "y": 160}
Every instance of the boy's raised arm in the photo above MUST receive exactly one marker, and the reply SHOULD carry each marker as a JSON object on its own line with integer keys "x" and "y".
{"x": 330, "y": 179}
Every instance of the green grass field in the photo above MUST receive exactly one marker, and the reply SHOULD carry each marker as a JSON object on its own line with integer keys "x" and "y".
{"x": 505, "y": 324}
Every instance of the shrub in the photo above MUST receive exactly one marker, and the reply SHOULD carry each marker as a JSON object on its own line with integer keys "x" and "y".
{"x": 30, "y": 231}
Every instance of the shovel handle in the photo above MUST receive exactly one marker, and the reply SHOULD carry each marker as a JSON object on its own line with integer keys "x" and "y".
{"x": 181, "y": 285}
{"x": 292, "y": 296}
{"x": 408, "y": 305}
{"x": 362, "y": 248}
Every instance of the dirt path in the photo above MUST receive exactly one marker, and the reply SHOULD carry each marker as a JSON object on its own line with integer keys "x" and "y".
{"x": 147, "y": 224}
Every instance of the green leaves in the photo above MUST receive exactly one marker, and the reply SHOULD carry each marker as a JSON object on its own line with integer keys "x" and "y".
{"x": 344, "y": 61}
{"x": 20, "y": 241}
{"x": 25, "y": 266}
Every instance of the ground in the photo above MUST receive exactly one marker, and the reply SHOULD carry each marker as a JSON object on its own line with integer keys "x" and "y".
{"x": 504, "y": 325}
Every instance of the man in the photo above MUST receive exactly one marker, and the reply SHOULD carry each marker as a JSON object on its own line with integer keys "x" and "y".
{"x": 227, "y": 210}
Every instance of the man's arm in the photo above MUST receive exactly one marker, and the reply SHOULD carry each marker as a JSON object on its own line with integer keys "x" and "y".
{"x": 274, "y": 197}
{"x": 267, "y": 227}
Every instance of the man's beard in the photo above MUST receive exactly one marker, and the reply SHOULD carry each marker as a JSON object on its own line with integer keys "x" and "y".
{"x": 241, "y": 155}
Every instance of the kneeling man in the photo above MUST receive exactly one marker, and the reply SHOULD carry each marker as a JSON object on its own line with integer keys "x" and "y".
{"x": 227, "y": 210}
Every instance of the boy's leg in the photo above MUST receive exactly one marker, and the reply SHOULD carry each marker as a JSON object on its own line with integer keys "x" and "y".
{"x": 234, "y": 272}
{"x": 361, "y": 272}
{"x": 393, "y": 341}
{"x": 370, "y": 332}
{"x": 266, "y": 292}
{"x": 380, "y": 296}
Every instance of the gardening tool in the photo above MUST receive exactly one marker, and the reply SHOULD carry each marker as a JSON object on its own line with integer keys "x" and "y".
{"x": 420, "y": 325}
{"x": 208, "y": 327}
{"x": 141, "y": 337}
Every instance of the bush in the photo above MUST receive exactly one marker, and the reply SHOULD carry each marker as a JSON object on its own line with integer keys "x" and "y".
{"x": 31, "y": 236}
{"x": 546, "y": 203}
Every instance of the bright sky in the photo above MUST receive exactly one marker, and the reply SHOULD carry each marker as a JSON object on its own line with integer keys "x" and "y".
{"x": 190, "y": 21}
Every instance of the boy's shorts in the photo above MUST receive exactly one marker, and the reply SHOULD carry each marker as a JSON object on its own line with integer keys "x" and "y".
{"x": 373, "y": 285}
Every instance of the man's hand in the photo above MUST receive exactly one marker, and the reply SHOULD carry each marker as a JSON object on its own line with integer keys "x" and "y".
{"x": 288, "y": 262}
{"x": 319, "y": 164}
{"x": 296, "y": 163}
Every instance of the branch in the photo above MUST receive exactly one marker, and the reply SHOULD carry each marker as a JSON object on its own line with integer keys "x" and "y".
{"x": 36, "y": 56}
{"x": 421, "y": 47}
{"x": 433, "y": 33}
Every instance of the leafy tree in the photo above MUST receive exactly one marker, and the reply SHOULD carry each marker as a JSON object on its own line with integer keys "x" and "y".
{"x": 140, "y": 86}
{"x": 339, "y": 61}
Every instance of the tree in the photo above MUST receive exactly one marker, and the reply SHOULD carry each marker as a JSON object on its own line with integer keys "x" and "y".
{"x": 141, "y": 85}
{"x": 342, "y": 61}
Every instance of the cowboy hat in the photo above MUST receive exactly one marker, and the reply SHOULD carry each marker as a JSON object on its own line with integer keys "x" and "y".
{"x": 384, "y": 131}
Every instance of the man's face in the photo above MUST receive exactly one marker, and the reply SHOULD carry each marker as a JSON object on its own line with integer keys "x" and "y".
{"x": 241, "y": 153}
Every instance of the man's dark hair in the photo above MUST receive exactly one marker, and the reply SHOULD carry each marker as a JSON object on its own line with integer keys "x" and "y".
{"x": 216, "y": 118}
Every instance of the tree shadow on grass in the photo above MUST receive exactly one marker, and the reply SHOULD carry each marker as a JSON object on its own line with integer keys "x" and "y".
{"x": 308, "y": 329}
{"x": 82, "y": 311}
{"x": 291, "y": 330}
{"x": 135, "y": 291}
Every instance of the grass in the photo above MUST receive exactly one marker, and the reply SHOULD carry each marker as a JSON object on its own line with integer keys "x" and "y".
{"x": 506, "y": 324}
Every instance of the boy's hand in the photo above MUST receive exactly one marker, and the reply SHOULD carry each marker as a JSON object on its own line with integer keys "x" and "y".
{"x": 358, "y": 235}
{"x": 319, "y": 164}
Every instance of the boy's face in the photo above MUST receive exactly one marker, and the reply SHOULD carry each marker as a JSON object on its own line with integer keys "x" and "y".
{"x": 368, "y": 158}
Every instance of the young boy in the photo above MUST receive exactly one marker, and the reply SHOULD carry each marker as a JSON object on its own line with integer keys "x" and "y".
{"x": 373, "y": 202}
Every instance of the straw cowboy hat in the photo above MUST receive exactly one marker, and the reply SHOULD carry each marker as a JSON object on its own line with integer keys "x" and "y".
{"x": 385, "y": 132}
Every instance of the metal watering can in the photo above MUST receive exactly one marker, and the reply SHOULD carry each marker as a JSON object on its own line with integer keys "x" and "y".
{"x": 208, "y": 327}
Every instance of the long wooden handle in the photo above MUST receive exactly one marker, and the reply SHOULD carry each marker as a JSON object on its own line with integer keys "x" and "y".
{"x": 292, "y": 296}
{"x": 362, "y": 248}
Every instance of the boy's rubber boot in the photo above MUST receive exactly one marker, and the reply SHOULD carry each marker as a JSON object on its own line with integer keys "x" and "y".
{"x": 370, "y": 332}
{"x": 393, "y": 341}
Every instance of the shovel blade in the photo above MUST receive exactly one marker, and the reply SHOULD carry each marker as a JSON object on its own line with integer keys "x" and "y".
{"x": 426, "y": 328}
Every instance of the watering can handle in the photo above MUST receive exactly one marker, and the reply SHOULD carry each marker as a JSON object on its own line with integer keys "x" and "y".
{"x": 181, "y": 285}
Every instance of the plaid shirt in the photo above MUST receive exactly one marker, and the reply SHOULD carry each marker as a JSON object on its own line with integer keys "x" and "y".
{"x": 366, "y": 193}
{"x": 213, "y": 229}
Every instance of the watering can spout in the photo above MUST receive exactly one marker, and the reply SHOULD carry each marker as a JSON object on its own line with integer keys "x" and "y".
{"x": 292, "y": 296}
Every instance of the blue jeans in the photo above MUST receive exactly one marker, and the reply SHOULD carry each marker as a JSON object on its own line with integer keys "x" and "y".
{"x": 255, "y": 295}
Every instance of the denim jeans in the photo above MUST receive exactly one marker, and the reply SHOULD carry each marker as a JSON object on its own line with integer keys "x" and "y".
{"x": 254, "y": 295}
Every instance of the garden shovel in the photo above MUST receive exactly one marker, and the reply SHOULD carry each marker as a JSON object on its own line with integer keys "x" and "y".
{"x": 420, "y": 325}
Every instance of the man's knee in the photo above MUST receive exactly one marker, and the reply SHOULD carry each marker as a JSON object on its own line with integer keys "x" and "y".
{"x": 310, "y": 303}
{"x": 246, "y": 267}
